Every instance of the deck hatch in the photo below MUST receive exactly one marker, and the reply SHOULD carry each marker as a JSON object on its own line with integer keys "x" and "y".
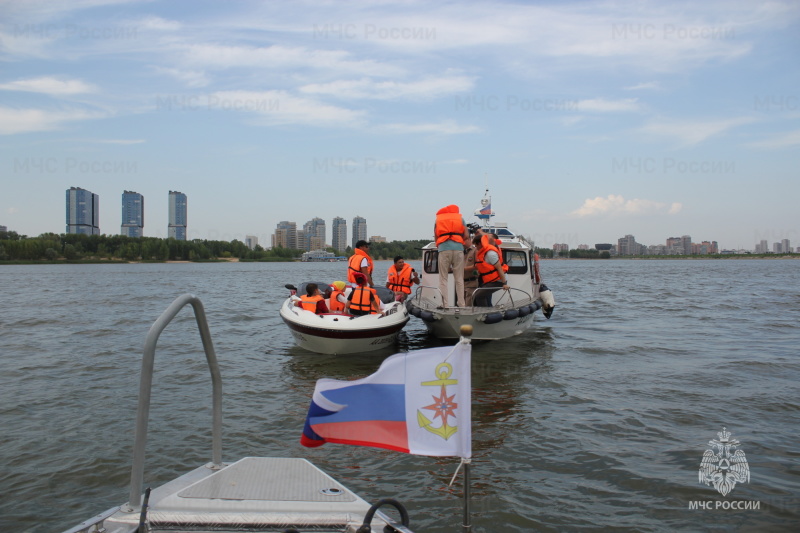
{"x": 270, "y": 479}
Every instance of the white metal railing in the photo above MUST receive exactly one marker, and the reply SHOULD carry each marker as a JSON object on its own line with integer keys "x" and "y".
{"x": 145, "y": 386}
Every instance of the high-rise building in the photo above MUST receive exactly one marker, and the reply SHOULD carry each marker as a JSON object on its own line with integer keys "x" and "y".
{"x": 762, "y": 247}
{"x": 627, "y": 245}
{"x": 674, "y": 246}
{"x": 176, "y": 228}
{"x": 339, "y": 234}
{"x": 313, "y": 235}
{"x": 251, "y": 241}
{"x": 359, "y": 230}
{"x": 83, "y": 211}
{"x": 285, "y": 235}
{"x": 786, "y": 246}
{"x": 132, "y": 214}
{"x": 686, "y": 241}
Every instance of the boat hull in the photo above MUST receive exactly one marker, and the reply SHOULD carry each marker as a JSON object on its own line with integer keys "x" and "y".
{"x": 343, "y": 334}
{"x": 487, "y": 324}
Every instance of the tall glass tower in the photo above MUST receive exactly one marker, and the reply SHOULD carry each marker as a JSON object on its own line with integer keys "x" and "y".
{"x": 132, "y": 214}
{"x": 359, "y": 230}
{"x": 176, "y": 228}
{"x": 339, "y": 236}
{"x": 83, "y": 211}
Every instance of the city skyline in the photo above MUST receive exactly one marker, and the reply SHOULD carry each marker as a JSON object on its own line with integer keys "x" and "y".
{"x": 82, "y": 210}
{"x": 587, "y": 121}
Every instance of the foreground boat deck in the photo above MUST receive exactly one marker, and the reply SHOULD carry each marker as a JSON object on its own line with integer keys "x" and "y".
{"x": 252, "y": 494}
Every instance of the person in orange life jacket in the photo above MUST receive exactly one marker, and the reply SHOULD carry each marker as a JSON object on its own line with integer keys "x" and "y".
{"x": 363, "y": 300}
{"x": 497, "y": 243}
{"x": 470, "y": 273}
{"x": 493, "y": 240}
{"x": 451, "y": 234}
{"x": 337, "y": 298}
{"x": 360, "y": 262}
{"x": 490, "y": 269}
{"x": 400, "y": 278}
{"x": 313, "y": 300}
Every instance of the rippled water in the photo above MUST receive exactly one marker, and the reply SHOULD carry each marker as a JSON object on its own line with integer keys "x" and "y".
{"x": 595, "y": 419}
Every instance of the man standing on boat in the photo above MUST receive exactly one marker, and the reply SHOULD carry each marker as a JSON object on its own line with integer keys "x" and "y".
{"x": 400, "y": 278}
{"x": 360, "y": 262}
{"x": 451, "y": 234}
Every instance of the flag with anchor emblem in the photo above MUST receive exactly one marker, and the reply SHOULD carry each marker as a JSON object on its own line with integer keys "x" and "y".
{"x": 417, "y": 402}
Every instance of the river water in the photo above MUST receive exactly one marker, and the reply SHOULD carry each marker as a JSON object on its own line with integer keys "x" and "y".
{"x": 594, "y": 420}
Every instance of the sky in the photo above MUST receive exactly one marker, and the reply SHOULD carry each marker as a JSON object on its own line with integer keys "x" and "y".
{"x": 587, "y": 121}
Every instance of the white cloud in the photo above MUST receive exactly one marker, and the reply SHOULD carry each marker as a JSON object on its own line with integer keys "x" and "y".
{"x": 159, "y": 24}
{"x": 283, "y": 57}
{"x": 281, "y": 107}
{"x": 122, "y": 141}
{"x": 367, "y": 88}
{"x": 645, "y": 85}
{"x": 14, "y": 121}
{"x": 446, "y": 127}
{"x": 785, "y": 140}
{"x": 50, "y": 85}
{"x": 691, "y": 132}
{"x": 601, "y": 105}
{"x": 618, "y": 205}
{"x": 191, "y": 78}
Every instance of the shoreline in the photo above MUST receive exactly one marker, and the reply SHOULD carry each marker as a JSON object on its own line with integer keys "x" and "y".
{"x": 236, "y": 260}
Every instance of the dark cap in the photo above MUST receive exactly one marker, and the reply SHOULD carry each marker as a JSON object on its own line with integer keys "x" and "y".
{"x": 361, "y": 243}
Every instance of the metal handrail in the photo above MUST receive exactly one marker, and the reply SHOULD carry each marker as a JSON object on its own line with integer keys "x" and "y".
{"x": 145, "y": 386}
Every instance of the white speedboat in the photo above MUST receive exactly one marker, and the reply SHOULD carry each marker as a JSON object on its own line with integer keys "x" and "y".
{"x": 252, "y": 494}
{"x": 337, "y": 333}
{"x": 511, "y": 312}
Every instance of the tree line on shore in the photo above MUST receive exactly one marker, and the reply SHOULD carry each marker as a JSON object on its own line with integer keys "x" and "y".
{"x": 52, "y": 247}
{"x": 78, "y": 247}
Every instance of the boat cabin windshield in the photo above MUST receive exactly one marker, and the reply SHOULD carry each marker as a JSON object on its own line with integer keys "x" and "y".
{"x": 517, "y": 261}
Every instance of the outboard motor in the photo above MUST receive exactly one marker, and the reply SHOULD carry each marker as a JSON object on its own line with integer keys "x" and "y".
{"x": 548, "y": 302}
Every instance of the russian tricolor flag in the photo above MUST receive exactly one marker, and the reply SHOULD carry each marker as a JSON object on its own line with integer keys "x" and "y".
{"x": 417, "y": 402}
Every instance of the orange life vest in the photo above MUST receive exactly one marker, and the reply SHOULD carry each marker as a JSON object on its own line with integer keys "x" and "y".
{"x": 361, "y": 299}
{"x": 336, "y": 305}
{"x": 449, "y": 225}
{"x": 400, "y": 281}
{"x": 354, "y": 264}
{"x": 309, "y": 303}
{"x": 487, "y": 272}
{"x": 485, "y": 242}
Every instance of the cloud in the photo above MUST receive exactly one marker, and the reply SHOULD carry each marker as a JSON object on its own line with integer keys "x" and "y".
{"x": 601, "y": 105}
{"x": 282, "y": 57}
{"x": 641, "y": 86}
{"x": 191, "y": 78}
{"x": 446, "y": 127}
{"x": 159, "y": 24}
{"x": 14, "y": 121}
{"x": 614, "y": 205}
{"x": 791, "y": 138}
{"x": 367, "y": 88}
{"x": 50, "y": 85}
{"x": 281, "y": 107}
{"x": 121, "y": 141}
{"x": 691, "y": 132}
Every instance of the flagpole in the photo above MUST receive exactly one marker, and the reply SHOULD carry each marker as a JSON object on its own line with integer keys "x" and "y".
{"x": 467, "y": 522}
{"x": 466, "y": 333}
